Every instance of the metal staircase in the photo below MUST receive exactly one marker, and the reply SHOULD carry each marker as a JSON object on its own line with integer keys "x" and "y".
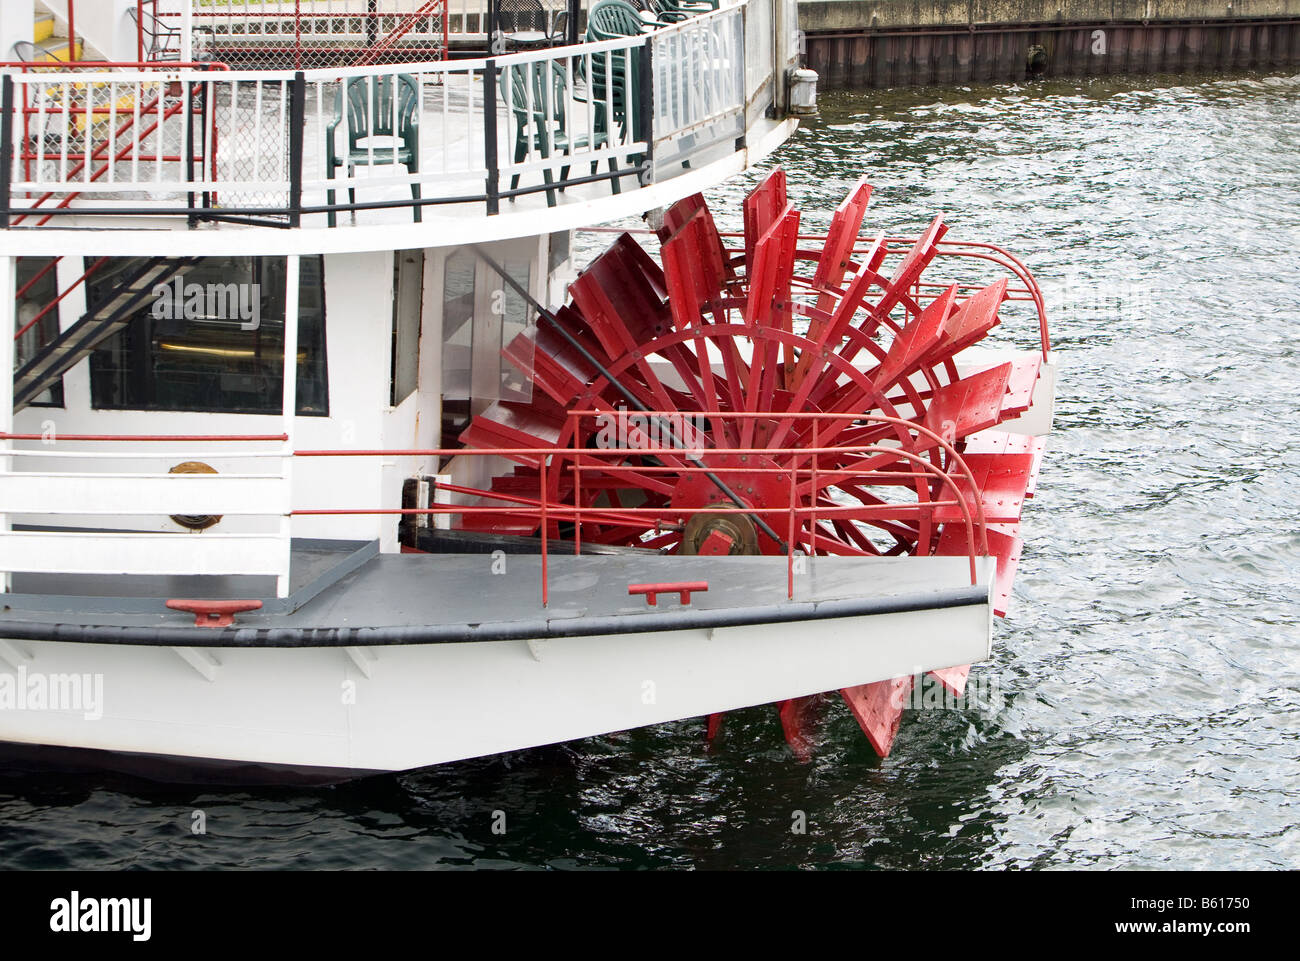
{"x": 95, "y": 326}
{"x": 48, "y": 44}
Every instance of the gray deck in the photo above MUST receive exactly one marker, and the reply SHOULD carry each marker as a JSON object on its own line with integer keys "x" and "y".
{"x": 314, "y": 565}
{"x": 407, "y": 590}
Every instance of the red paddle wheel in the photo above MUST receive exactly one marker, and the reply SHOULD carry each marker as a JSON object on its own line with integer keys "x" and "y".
{"x": 775, "y": 349}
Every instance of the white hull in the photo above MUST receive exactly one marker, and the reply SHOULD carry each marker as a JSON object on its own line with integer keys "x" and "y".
{"x": 399, "y": 707}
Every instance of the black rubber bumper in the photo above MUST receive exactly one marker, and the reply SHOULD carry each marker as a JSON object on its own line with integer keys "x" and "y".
{"x": 543, "y": 628}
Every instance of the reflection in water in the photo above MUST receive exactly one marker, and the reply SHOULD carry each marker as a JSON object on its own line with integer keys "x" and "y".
{"x": 1149, "y": 664}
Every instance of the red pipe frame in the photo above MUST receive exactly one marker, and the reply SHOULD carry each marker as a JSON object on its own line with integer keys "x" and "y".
{"x": 576, "y": 513}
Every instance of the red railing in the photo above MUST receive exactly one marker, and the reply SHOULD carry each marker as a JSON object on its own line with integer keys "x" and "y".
{"x": 103, "y": 145}
{"x": 29, "y": 155}
{"x": 584, "y": 460}
{"x": 154, "y": 438}
{"x": 800, "y": 465}
{"x": 376, "y": 47}
{"x": 149, "y": 8}
{"x": 55, "y": 302}
{"x": 386, "y": 45}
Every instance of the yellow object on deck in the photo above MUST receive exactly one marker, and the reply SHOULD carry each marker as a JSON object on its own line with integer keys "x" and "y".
{"x": 43, "y": 28}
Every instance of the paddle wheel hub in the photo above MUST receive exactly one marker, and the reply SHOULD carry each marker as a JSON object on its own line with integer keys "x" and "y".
{"x": 719, "y": 535}
{"x": 775, "y": 399}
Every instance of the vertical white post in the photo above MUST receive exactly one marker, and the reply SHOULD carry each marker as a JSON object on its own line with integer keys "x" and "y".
{"x": 779, "y": 52}
{"x": 8, "y": 326}
{"x": 289, "y": 397}
{"x": 187, "y": 31}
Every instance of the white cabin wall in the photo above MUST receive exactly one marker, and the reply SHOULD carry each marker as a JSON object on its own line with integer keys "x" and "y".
{"x": 416, "y": 422}
{"x": 16, "y": 21}
{"x": 358, "y": 337}
{"x": 358, "y": 317}
{"x": 76, "y": 382}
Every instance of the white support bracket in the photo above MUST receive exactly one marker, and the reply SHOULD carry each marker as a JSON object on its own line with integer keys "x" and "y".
{"x": 202, "y": 662}
{"x": 362, "y": 658}
{"x": 13, "y": 655}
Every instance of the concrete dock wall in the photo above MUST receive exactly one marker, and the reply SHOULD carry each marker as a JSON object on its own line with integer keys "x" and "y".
{"x": 886, "y": 43}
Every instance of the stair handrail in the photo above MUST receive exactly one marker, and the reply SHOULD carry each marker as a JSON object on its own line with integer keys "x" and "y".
{"x": 408, "y": 22}
{"x": 26, "y": 67}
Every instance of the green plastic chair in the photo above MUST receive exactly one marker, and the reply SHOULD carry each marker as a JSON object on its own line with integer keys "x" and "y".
{"x": 373, "y": 116}
{"x": 609, "y": 20}
{"x": 673, "y": 11}
{"x": 548, "y": 104}
{"x": 615, "y": 18}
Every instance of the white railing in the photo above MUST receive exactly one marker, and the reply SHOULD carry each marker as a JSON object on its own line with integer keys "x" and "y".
{"x": 699, "y": 83}
{"x": 132, "y": 489}
{"x": 279, "y": 144}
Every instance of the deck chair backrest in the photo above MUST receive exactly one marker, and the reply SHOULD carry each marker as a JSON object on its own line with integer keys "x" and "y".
{"x": 613, "y": 18}
{"x": 517, "y": 15}
{"x": 547, "y": 101}
{"x": 370, "y": 107}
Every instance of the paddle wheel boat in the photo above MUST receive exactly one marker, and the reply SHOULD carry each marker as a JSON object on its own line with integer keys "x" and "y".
{"x": 324, "y": 455}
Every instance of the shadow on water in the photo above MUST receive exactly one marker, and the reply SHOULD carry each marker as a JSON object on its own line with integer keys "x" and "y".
{"x": 649, "y": 798}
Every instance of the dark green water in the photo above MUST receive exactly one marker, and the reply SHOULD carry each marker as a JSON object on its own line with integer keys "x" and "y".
{"x": 1151, "y": 664}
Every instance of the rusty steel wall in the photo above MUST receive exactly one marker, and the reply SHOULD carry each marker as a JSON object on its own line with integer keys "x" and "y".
{"x": 943, "y": 53}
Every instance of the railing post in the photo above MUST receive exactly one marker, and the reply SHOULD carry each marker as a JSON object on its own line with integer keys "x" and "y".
{"x": 6, "y": 150}
{"x": 493, "y": 184}
{"x": 646, "y": 107}
{"x": 812, "y": 501}
{"x": 575, "y": 423}
{"x": 492, "y": 29}
{"x": 8, "y": 321}
{"x": 297, "y": 120}
{"x": 205, "y": 143}
{"x": 744, "y": 78}
{"x": 780, "y": 30}
{"x": 188, "y": 148}
{"x": 789, "y": 560}
{"x": 289, "y": 407}
{"x": 571, "y": 28}
{"x": 546, "y": 597}
{"x": 297, "y": 34}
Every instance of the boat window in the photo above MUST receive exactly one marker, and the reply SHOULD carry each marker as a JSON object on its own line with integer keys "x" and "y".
{"x": 515, "y": 315}
{"x": 458, "y": 284}
{"x": 209, "y": 337}
{"x": 37, "y": 286}
{"x": 558, "y": 250}
{"x": 408, "y": 289}
{"x": 482, "y": 315}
